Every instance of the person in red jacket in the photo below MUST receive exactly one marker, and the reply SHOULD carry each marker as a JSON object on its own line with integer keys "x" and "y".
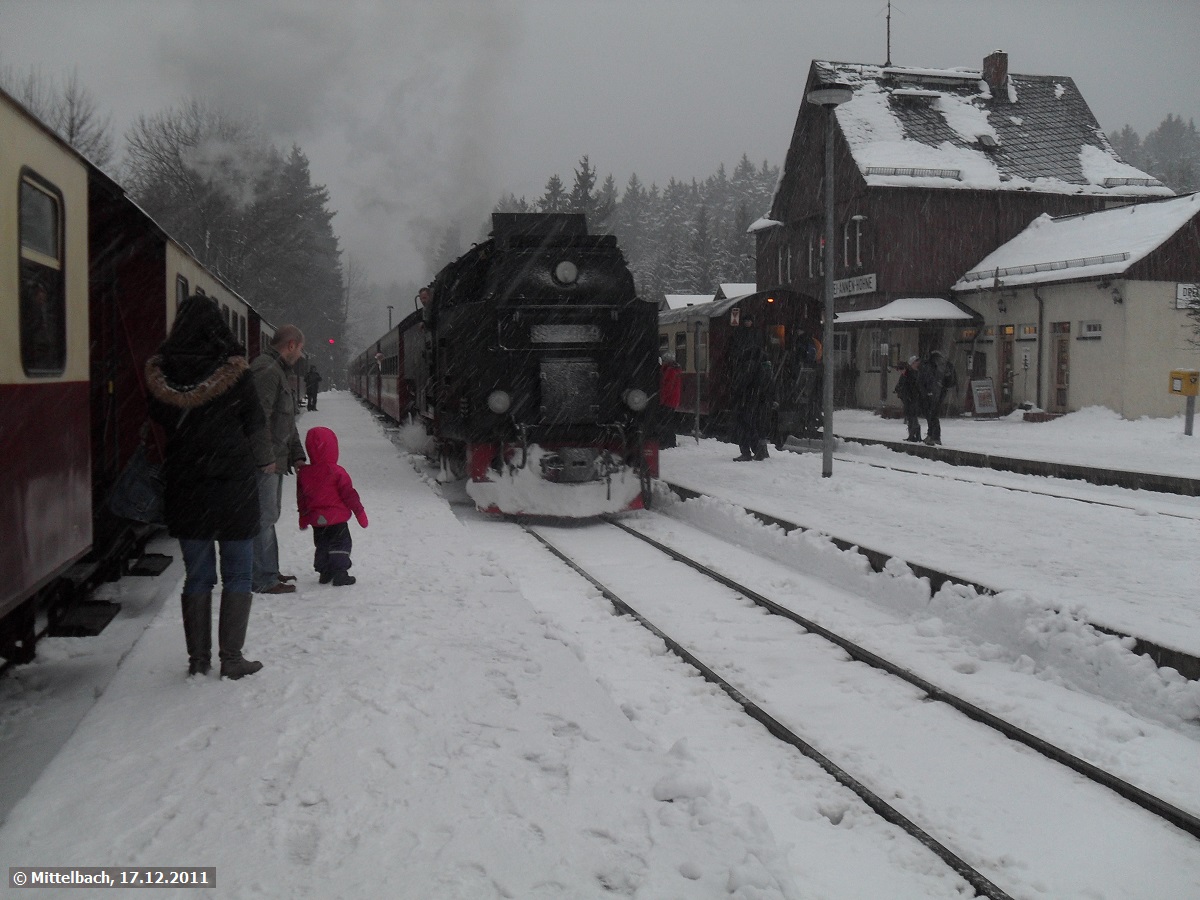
{"x": 326, "y": 499}
{"x": 670, "y": 390}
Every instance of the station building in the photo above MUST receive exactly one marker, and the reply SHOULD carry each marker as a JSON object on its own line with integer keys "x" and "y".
{"x": 934, "y": 171}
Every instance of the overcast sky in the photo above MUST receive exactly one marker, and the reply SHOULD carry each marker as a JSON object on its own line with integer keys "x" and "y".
{"x": 414, "y": 110}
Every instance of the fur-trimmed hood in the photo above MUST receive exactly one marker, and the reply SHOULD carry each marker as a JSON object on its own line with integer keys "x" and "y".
{"x": 192, "y": 396}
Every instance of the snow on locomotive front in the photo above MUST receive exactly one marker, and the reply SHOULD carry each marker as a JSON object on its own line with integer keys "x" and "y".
{"x": 545, "y": 370}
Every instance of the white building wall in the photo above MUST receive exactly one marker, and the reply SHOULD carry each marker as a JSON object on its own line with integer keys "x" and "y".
{"x": 1142, "y": 338}
{"x": 1160, "y": 339}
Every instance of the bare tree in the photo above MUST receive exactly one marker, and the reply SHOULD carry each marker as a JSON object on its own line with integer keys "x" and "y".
{"x": 67, "y": 107}
{"x": 198, "y": 172}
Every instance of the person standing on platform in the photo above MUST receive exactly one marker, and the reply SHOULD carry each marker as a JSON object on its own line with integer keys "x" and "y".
{"x": 909, "y": 392}
{"x": 936, "y": 377}
{"x": 271, "y": 370}
{"x": 670, "y": 391}
{"x": 203, "y": 395}
{"x": 312, "y": 382}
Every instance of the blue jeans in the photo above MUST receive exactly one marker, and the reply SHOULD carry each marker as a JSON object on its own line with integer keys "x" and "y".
{"x": 266, "y": 546}
{"x": 200, "y": 565}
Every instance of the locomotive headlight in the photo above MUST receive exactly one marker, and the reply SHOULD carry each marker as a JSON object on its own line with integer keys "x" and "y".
{"x": 566, "y": 272}
{"x": 635, "y": 399}
{"x": 499, "y": 402}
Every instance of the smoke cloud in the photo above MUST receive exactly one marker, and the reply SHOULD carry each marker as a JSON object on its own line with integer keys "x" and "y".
{"x": 396, "y": 105}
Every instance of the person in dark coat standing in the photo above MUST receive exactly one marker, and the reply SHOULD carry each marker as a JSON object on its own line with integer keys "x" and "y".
{"x": 271, "y": 369}
{"x": 312, "y": 381}
{"x": 909, "y": 392}
{"x": 935, "y": 377}
{"x": 202, "y": 393}
{"x": 753, "y": 379}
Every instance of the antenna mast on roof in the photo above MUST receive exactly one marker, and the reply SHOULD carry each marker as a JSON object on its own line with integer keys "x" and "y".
{"x": 889, "y": 34}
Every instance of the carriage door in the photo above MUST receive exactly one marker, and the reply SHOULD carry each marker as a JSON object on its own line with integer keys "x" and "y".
{"x": 1004, "y": 367}
{"x": 1060, "y": 348}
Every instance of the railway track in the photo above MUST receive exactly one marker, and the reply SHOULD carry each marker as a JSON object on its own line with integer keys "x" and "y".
{"x": 570, "y": 547}
{"x": 1057, "y": 495}
{"x": 1186, "y": 664}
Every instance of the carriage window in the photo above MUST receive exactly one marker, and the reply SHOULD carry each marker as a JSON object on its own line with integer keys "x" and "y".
{"x": 43, "y": 289}
{"x": 681, "y": 349}
{"x": 181, "y": 291}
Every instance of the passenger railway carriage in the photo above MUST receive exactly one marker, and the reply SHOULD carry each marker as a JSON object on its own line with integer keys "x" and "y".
{"x": 702, "y": 339}
{"x": 535, "y": 369}
{"x": 89, "y": 286}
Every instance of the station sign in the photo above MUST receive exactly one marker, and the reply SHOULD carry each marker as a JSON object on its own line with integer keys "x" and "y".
{"x": 1187, "y": 296}
{"x": 849, "y": 287}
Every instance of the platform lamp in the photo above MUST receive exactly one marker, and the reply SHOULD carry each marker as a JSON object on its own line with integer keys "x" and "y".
{"x": 828, "y": 95}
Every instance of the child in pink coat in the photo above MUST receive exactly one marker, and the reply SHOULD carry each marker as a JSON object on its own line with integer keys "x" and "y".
{"x": 326, "y": 499}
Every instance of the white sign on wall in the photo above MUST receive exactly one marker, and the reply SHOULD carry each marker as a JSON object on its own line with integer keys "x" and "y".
{"x": 1187, "y": 296}
{"x": 860, "y": 284}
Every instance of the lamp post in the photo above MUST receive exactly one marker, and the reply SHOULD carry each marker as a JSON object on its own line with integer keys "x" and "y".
{"x": 696, "y": 345}
{"x": 829, "y": 96}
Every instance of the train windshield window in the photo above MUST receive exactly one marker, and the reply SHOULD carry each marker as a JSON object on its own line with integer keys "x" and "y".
{"x": 43, "y": 290}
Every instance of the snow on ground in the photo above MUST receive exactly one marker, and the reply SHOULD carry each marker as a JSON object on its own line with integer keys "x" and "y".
{"x": 1130, "y": 566}
{"x": 1095, "y": 436}
{"x": 445, "y": 728}
{"x": 419, "y": 734}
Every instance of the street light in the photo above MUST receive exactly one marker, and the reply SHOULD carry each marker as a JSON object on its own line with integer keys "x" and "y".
{"x": 830, "y": 96}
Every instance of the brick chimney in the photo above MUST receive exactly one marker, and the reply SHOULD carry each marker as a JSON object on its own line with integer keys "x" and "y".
{"x": 995, "y": 71}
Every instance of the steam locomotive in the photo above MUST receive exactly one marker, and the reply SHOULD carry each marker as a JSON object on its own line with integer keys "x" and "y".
{"x": 534, "y": 367}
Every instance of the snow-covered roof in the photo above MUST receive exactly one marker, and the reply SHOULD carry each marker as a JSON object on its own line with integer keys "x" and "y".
{"x": 1093, "y": 245}
{"x": 735, "y": 290}
{"x": 679, "y": 301}
{"x": 944, "y": 128}
{"x": 711, "y": 309}
{"x": 763, "y": 222}
{"x": 906, "y": 309}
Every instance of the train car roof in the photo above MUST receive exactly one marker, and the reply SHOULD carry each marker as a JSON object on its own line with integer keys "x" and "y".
{"x": 716, "y": 308}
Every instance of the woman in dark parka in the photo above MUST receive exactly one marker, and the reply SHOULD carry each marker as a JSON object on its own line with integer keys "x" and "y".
{"x": 202, "y": 393}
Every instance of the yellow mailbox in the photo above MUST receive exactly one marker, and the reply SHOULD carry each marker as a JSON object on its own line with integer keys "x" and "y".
{"x": 1185, "y": 382}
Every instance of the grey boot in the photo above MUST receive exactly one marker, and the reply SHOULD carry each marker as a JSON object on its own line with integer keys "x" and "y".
{"x": 197, "y": 631}
{"x": 231, "y": 634}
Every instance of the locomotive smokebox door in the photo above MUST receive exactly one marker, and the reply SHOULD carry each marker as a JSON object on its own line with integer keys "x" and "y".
{"x": 570, "y": 390}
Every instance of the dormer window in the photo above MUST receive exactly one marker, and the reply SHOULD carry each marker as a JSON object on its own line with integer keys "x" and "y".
{"x": 988, "y": 142}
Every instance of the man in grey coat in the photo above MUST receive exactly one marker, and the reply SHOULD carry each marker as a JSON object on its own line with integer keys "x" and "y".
{"x": 271, "y": 369}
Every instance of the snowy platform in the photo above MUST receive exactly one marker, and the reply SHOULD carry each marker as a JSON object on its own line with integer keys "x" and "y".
{"x": 420, "y": 734}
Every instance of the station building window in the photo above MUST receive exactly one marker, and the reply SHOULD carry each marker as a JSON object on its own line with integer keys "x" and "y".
{"x": 43, "y": 307}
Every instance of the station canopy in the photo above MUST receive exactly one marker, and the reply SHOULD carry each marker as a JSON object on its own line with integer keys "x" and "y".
{"x": 907, "y": 310}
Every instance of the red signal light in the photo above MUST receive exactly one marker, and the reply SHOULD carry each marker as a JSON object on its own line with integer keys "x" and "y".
{"x": 332, "y": 341}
